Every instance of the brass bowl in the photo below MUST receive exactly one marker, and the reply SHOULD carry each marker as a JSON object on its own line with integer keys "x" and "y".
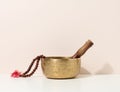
{"x": 60, "y": 67}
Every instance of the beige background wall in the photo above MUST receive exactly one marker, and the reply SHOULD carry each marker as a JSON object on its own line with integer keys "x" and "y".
{"x": 60, "y": 27}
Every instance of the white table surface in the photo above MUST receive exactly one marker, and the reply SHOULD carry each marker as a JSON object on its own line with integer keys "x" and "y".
{"x": 84, "y": 83}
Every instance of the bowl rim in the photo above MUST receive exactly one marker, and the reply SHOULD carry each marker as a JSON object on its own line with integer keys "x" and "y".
{"x": 60, "y": 57}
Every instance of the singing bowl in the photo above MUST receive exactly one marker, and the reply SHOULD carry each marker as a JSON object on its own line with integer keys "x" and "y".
{"x": 60, "y": 67}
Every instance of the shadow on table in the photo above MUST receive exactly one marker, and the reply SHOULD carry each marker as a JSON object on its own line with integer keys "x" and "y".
{"x": 84, "y": 71}
{"x": 106, "y": 69}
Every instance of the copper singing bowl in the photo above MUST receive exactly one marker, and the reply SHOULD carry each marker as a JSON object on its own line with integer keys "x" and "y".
{"x": 64, "y": 67}
{"x": 60, "y": 67}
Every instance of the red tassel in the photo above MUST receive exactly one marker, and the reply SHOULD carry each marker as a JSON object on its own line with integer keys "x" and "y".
{"x": 16, "y": 74}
